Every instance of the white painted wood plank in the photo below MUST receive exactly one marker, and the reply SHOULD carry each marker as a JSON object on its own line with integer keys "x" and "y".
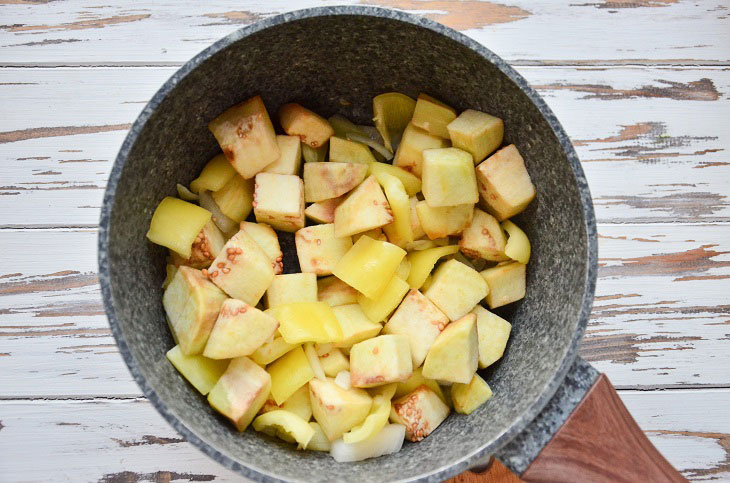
{"x": 690, "y": 428}
{"x": 521, "y": 30}
{"x": 667, "y": 127}
{"x": 660, "y": 317}
{"x": 119, "y": 441}
{"x": 661, "y": 314}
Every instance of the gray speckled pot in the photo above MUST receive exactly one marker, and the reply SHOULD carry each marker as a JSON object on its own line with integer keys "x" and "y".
{"x": 332, "y": 60}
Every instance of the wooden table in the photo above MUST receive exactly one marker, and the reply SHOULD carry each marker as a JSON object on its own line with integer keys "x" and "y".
{"x": 641, "y": 86}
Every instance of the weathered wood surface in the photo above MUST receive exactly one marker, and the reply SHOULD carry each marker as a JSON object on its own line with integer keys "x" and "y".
{"x": 119, "y": 441}
{"x": 638, "y": 31}
{"x": 666, "y": 126}
{"x": 641, "y": 86}
{"x": 660, "y": 319}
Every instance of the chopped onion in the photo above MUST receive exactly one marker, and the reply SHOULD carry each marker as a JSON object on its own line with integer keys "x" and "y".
{"x": 226, "y": 225}
{"x": 419, "y": 245}
{"x": 388, "y": 440}
{"x": 314, "y": 361}
{"x": 376, "y": 146}
{"x": 342, "y": 126}
{"x": 186, "y": 194}
{"x": 323, "y": 348}
{"x": 319, "y": 441}
{"x": 371, "y": 132}
{"x": 342, "y": 379}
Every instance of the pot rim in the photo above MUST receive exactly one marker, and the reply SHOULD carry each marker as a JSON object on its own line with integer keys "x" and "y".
{"x": 464, "y": 462}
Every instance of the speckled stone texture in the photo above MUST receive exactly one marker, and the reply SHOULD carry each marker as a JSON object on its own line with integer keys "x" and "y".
{"x": 334, "y": 60}
{"x": 524, "y": 448}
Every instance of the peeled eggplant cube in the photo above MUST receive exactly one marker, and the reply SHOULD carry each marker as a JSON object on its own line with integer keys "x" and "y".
{"x": 290, "y": 157}
{"x": 504, "y": 183}
{"x": 335, "y": 292}
{"x": 456, "y": 289}
{"x": 318, "y": 250}
{"x": 506, "y": 283}
{"x": 468, "y": 397}
{"x": 192, "y": 304}
{"x": 420, "y": 321}
{"x": 205, "y": 248}
{"x": 272, "y": 350}
{"x": 200, "y": 371}
{"x": 483, "y": 238}
{"x": 241, "y": 391}
{"x": 242, "y": 269}
{"x": 332, "y": 360}
{"x": 454, "y": 356}
{"x": 364, "y": 208}
{"x": 279, "y": 201}
{"x": 416, "y": 380}
{"x": 345, "y": 151}
{"x": 421, "y": 412}
{"x": 443, "y": 221}
{"x": 493, "y": 333}
{"x": 433, "y": 116}
{"x": 356, "y": 326}
{"x": 409, "y": 155}
{"x": 235, "y": 199}
{"x": 448, "y": 178}
{"x": 335, "y": 409}
{"x": 380, "y": 360}
{"x": 311, "y": 128}
{"x": 323, "y": 181}
{"x": 176, "y": 224}
{"x": 476, "y": 132}
{"x": 323, "y": 211}
{"x": 267, "y": 239}
{"x": 290, "y": 288}
{"x": 239, "y": 330}
{"x": 246, "y": 136}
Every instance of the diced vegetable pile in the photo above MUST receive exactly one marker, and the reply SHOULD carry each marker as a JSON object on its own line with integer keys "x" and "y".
{"x": 381, "y": 334}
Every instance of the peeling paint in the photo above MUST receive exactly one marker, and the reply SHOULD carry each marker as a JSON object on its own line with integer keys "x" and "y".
{"x": 722, "y": 439}
{"x": 459, "y": 15}
{"x": 48, "y": 132}
{"x": 700, "y": 90}
{"x": 148, "y": 439}
{"x": 690, "y": 262}
{"x": 95, "y": 23}
{"x": 625, "y": 348}
{"x": 156, "y": 477}
{"x": 49, "y": 282}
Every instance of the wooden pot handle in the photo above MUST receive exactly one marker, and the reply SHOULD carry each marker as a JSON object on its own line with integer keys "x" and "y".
{"x": 600, "y": 441}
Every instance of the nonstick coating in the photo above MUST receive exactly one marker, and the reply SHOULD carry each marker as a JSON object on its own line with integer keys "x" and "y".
{"x": 334, "y": 60}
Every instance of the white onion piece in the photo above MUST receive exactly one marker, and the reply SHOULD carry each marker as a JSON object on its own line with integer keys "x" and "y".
{"x": 372, "y": 132}
{"x": 227, "y": 226}
{"x": 342, "y": 379}
{"x": 186, "y": 194}
{"x": 324, "y": 348}
{"x": 376, "y": 146}
{"x": 314, "y": 361}
{"x": 388, "y": 440}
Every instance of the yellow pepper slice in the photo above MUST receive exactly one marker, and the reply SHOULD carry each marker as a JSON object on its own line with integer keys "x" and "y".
{"x": 376, "y": 420}
{"x": 423, "y": 261}
{"x": 285, "y": 423}
{"x": 518, "y": 245}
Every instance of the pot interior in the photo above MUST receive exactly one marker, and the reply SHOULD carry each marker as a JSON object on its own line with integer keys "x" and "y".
{"x": 336, "y": 64}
